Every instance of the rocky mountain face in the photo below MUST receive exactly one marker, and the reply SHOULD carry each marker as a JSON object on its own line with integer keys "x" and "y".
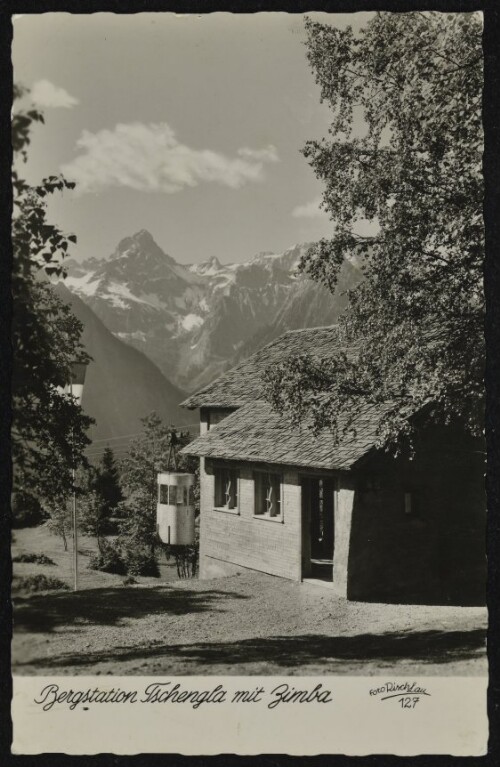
{"x": 195, "y": 321}
{"x": 122, "y": 385}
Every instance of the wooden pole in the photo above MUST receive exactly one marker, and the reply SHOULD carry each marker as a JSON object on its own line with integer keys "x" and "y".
{"x": 75, "y": 536}
{"x": 74, "y": 519}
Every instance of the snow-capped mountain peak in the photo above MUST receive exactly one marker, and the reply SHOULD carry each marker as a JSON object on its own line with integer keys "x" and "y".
{"x": 192, "y": 320}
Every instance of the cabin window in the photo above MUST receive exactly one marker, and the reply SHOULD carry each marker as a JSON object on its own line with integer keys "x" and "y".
{"x": 174, "y": 495}
{"x": 409, "y": 503}
{"x": 226, "y": 489}
{"x": 268, "y": 502}
{"x": 163, "y": 494}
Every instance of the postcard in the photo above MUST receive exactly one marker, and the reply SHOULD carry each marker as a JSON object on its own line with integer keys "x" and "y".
{"x": 249, "y": 499}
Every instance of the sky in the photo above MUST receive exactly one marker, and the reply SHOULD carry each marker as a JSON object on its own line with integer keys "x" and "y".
{"x": 188, "y": 126}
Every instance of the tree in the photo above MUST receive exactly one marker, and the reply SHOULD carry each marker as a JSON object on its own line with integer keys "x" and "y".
{"x": 403, "y": 154}
{"x": 60, "y": 522}
{"x": 91, "y": 511}
{"x": 106, "y": 485}
{"x": 101, "y": 496}
{"x": 48, "y": 431}
{"x": 147, "y": 455}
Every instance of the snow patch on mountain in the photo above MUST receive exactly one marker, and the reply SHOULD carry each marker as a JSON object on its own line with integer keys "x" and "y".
{"x": 83, "y": 284}
{"x": 137, "y": 335}
{"x": 191, "y": 321}
{"x": 121, "y": 294}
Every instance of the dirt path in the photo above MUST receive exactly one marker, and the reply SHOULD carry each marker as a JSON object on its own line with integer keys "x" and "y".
{"x": 246, "y": 624}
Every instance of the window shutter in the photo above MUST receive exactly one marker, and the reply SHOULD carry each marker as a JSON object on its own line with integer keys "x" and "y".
{"x": 218, "y": 488}
{"x": 408, "y": 503}
{"x": 257, "y": 493}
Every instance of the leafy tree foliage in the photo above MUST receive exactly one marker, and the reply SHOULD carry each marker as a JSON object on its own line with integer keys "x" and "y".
{"x": 60, "y": 518}
{"x": 403, "y": 153}
{"x": 48, "y": 431}
{"x": 107, "y": 484}
{"x": 27, "y": 511}
{"x": 91, "y": 514}
{"x": 147, "y": 455}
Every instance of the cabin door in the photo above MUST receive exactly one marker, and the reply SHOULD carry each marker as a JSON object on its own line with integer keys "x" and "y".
{"x": 318, "y": 527}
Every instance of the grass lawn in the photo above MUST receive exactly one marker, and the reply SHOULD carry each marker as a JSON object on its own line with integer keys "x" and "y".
{"x": 246, "y": 624}
{"x": 40, "y": 540}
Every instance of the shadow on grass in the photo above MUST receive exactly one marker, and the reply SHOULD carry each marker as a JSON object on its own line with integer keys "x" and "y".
{"x": 109, "y": 606}
{"x": 427, "y": 647}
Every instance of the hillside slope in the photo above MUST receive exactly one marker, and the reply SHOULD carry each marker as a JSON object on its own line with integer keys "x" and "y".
{"x": 122, "y": 384}
{"x": 307, "y": 305}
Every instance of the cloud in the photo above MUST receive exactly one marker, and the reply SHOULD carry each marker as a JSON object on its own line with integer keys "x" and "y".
{"x": 46, "y": 94}
{"x": 150, "y": 158}
{"x": 310, "y": 210}
{"x": 269, "y": 154}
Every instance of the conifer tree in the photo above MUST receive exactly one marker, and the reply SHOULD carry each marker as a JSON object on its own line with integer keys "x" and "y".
{"x": 106, "y": 485}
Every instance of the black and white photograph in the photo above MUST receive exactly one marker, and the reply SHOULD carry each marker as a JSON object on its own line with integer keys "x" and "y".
{"x": 248, "y": 348}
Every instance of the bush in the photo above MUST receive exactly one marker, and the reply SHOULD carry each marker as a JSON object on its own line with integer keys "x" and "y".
{"x": 124, "y": 557}
{"x": 186, "y": 560}
{"x": 139, "y": 559}
{"x": 34, "y": 583}
{"x": 129, "y": 581}
{"x": 39, "y": 559}
{"x": 108, "y": 559}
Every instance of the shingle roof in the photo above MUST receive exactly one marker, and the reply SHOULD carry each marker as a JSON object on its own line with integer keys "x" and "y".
{"x": 243, "y": 383}
{"x": 257, "y": 433}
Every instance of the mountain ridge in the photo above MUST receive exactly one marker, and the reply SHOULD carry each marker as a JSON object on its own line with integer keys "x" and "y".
{"x": 194, "y": 320}
{"x": 122, "y": 384}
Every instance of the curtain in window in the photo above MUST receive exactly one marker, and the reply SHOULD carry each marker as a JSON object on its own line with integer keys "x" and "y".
{"x": 267, "y": 494}
{"x": 226, "y": 488}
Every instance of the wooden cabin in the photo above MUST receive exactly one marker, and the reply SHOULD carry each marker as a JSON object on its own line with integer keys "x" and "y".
{"x": 347, "y": 515}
